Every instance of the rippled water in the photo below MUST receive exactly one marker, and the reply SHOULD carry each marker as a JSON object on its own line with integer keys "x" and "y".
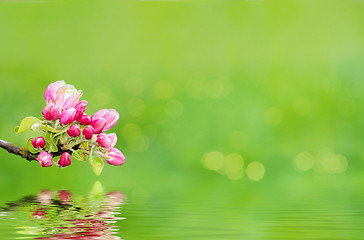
{"x": 335, "y": 214}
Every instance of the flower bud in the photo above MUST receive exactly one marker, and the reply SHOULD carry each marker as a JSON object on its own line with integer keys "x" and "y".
{"x": 110, "y": 115}
{"x": 106, "y": 140}
{"x": 65, "y": 160}
{"x": 68, "y": 115}
{"x": 85, "y": 119}
{"x": 74, "y": 130}
{"x": 45, "y": 159}
{"x": 98, "y": 125}
{"x": 88, "y": 131}
{"x": 80, "y": 109}
{"x": 38, "y": 142}
{"x": 115, "y": 157}
{"x": 51, "y": 112}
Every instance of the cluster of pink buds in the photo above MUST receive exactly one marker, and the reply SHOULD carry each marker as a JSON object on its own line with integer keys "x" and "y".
{"x": 67, "y": 131}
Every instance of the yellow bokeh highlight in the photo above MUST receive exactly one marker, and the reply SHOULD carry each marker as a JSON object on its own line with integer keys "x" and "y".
{"x": 255, "y": 171}
{"x": 213, "y": 160}
{"x": 334, "y": 163}
{"x": 304, "y": 161}
{"x": 273, "y": 116}
{"x": 234, "y": 165}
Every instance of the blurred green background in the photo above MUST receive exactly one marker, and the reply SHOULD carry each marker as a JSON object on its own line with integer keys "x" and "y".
{"x": 214, "y": 97}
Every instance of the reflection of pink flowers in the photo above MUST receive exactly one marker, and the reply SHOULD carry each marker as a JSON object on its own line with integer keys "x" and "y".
{"x": 115, "y": 198}
{"x": 76, "y": 224}
{"x": 45, "y": 197}
{"x": 65, "y": 196}
{"x": 38, "y": 214}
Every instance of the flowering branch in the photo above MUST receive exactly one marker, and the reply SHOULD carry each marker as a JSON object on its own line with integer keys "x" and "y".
{"x": 65, "y": 130}
{"x": 14, "y": 149}
{"x": 23, "y": 151}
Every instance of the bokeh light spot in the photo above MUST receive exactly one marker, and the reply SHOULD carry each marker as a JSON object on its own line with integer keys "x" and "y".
{"x": 304, "y": 161}
{"x": 255, "y": 171}
{"x": 136, "y": 107}
{"x": 302, "y": 106}
{"x": 174, "y": 109}
{"x": 131, "y": 132}
{"x": 334, "y": 163}
{"x": 213, "y": 160}
{"x": 141, "y": 144}
{"x": 163, "y": 90}
{"x": 273, "y": 116}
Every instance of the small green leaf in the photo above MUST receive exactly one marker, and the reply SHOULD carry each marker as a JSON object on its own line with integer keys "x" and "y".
{"x": 26, "y": 124}
{"x": 85, "y": 145}
{"x": 97, "y": 164}
{"x": 51, "y": 142}
{"x": 30, "y": 146}
{"x": 79, "y": 155}
{"x": 50, "y": 129}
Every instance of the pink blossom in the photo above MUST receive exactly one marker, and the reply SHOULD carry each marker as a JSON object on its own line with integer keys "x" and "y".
{"x": 45, "y": 159}
{"x": 80, "y": 109}
{"x": 110, "y": 115}
{"x": 50, "y": 92}
{"x": 74, "y": 130}
{"x": 85, "y": 119}
{"x": 38, "y": 142}
{"x": 98, "y": 125}
{"x": 68, "y": 115}
{"x": 107, "y": 140}
{"x": 115, "y": 157}
{"x": 65, "y": 160}
{"x": 51, "y": 112}
{"x": 67, "y": 96}
{"x": 88, "y": 131}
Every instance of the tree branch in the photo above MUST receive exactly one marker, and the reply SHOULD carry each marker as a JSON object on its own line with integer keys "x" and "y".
{"x": 23, "y": 151}
{"x": 20, "y": 151}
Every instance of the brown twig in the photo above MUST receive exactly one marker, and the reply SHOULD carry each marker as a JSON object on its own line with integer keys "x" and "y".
{"x": 23, "y": 151}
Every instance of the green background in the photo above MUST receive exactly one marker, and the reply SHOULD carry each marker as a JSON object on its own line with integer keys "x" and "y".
{"x": 266, "y": 80}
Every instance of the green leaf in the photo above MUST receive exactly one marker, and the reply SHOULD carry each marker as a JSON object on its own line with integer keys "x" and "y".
{"x": 50, "y": 129}
{"x": 51, "y": 142}
{"x": 79, "y": 155}
{"x": 26, "y": 124}
{"x": 97, "y": 164}
{"x": 85, "y": 145}
{"x": 30, "y": 146}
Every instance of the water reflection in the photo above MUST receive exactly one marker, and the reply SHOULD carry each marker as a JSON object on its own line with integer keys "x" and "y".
{"x": 60, "y": 215}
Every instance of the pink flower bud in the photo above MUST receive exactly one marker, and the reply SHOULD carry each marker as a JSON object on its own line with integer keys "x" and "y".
{"x": 115, "y": 157}
{"x": 38, "y": 142}
{"x": 86, "y": 119}
{"x": 65, "y": 160}
{"x": 68, "y": 115}
{"x": 107, "y": 140}
{"x": 45, "y": 159}
{"x": 51, "y": 112}
{"x": 88, "y": 131}
{"x": 98, "y": 125}
{"x": 110, "y": 115}
{"x": 74, "y": 130}
{"x": 80, "y": 109}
